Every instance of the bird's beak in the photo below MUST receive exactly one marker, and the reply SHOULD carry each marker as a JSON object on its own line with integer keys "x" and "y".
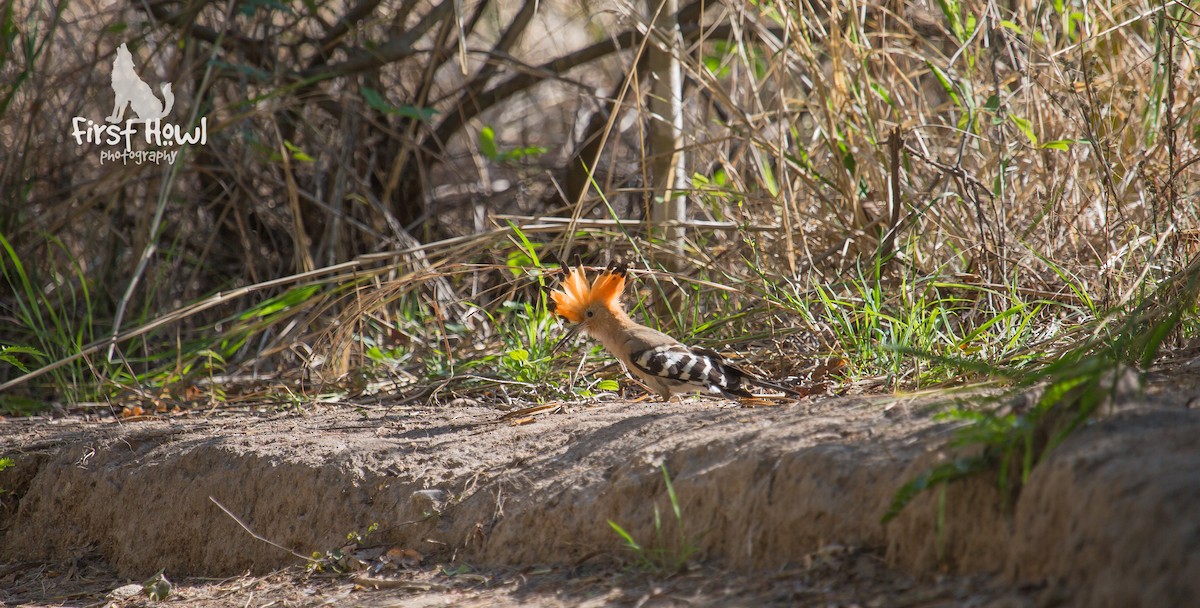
{"x": 567, "y": 338}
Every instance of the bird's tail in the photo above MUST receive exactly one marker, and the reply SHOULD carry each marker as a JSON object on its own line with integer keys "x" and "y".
{"x": 771, "y": 385}
{"x": 742, "y": 377}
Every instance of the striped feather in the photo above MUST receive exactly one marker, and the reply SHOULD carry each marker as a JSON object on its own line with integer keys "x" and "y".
{"x": 696, "y": 368}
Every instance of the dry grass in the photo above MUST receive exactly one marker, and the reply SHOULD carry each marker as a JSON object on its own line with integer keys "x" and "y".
{"x": 347, "y": 219}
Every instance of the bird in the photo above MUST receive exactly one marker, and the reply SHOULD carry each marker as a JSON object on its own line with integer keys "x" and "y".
{"x": 664, "y": 364}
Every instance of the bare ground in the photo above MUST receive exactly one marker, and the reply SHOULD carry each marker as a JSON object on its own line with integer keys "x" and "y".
{"x": 781, "y": 504}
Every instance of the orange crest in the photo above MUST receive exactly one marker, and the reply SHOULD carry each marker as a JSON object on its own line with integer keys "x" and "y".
{"x": 576, "y": 295}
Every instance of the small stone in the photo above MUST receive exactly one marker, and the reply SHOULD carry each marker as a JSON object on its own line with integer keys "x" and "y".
{"x": 125, "y": 591}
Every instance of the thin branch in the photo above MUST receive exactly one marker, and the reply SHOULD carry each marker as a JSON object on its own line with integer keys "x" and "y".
{"x": 255, "y": 534}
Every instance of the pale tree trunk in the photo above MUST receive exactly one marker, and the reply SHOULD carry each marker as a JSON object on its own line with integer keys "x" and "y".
{"x": 668, "y": 198}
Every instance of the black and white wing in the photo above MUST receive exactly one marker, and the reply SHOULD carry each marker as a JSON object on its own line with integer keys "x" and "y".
{"x": 695, "y": 368}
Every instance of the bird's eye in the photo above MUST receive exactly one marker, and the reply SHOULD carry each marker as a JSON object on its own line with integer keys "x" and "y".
{"x": 590, "y": 313}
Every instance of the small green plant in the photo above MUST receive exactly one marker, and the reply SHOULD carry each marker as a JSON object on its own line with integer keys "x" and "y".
{"x": 213, "y": 363}
{"x": 527, "y": 349}
{"x": 340, "y": 559}
{"x": 19, "y": 405}
{"x": 157, "y": 587}
{"x": 54, "y": 311}
{"x": 664, "y": 556}
{"x": 376, "y": 101}
{"x": 8, "y": 355}
{"x": 5, "y": 462}
{"x": 357, "y": 537}
{"x": 526, "y": 328}
{"x": 524, "y": 355}
{"x": 489, "y": 148}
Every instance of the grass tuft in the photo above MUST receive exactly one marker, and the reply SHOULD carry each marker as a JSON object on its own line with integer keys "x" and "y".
{"x": 662, "y": 555}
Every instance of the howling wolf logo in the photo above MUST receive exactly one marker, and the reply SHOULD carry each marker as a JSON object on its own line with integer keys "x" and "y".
{"x": 132, "y": 91}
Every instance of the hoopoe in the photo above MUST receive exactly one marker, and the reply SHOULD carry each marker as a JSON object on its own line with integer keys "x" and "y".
{"x": 662, "y": 362}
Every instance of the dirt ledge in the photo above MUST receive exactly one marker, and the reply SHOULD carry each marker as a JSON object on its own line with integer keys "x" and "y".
{"x": 1112, "y": 519}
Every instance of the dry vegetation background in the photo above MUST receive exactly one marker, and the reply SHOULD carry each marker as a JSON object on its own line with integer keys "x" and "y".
{"x": 388, "y": 184}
